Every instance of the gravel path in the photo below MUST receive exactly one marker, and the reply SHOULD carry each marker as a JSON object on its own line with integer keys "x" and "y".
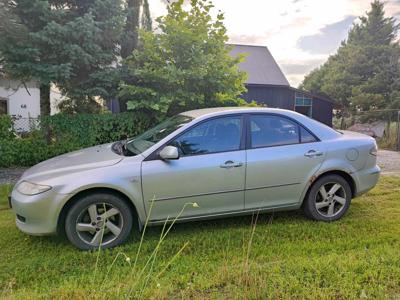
{"x": 389, "y": 161}
{"x": 10, "y": 175}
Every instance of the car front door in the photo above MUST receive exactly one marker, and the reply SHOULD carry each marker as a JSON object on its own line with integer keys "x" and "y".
{"x": 210, "y": 172}
{"x": 281, "y": 157}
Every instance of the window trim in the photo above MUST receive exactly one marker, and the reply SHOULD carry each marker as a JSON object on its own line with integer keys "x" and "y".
{"x": 155, "y": 154}
{"x": 7, "y": 101}
{"x": 303, "y": 97}
{"x": 299, "y": 125}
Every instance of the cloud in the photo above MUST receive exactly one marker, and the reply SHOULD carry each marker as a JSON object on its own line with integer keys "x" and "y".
{"x": 301, "y": 68}
{"x": 300, "y": 34}
{"x": 328, "y": 39}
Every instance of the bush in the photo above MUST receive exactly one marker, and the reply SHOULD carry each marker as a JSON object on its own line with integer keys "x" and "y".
{"x": 6, "y": 131}
{"x": 64, "y": 133}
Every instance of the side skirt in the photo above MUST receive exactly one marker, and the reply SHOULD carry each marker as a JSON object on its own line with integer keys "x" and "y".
{"x": 227, "y": 214}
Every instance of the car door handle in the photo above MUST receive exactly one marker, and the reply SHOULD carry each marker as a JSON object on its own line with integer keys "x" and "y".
{"x": 231, "y": 164}
{"x": 313, "y": 153}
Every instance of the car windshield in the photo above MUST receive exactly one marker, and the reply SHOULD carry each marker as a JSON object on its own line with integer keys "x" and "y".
{"x": 152, "y": 136}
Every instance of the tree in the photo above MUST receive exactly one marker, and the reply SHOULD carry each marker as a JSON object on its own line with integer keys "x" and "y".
{"x": 137, "y": 16}
{"x": 185, "y": 65}
{"x": 364, "y": 74}
{"x": 71, "y": 43}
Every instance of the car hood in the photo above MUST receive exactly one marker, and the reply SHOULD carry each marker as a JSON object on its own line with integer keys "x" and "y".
{"x": 89, "y": 158}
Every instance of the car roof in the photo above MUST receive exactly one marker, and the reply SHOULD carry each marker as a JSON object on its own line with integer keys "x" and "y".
{"x": 222, "y": 110}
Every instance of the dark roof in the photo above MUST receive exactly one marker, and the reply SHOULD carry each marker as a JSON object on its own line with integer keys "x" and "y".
{"x": 260, "y": 66}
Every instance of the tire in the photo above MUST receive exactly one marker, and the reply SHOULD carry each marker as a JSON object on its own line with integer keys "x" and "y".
{"x": 98, "y": 220}
{"x": 328, "y": 199}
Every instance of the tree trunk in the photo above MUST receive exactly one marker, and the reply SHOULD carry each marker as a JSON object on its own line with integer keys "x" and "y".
{"x": 146, "y": 17}
{"x": 130, "y": 36}
{"x": 45, "y": 99}
{"x": 343, "y": 119}
{"x": 45, "y": 107}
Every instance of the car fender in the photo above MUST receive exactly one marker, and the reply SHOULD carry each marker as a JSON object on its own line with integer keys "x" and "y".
{"x": 329, "y": 165}
{"x": 127, "y": 181}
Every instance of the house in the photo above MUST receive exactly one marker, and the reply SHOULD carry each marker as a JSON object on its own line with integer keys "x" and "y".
{"x": 266, "y": 84}
{"x": 22, "y": 102}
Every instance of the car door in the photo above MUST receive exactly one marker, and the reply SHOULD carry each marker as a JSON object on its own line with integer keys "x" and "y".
{"x": 281, "y": 157}
{"x": 209, "y": 172}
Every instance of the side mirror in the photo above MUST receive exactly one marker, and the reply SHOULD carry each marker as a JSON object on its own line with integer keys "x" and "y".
{"x": 169, "y": 152}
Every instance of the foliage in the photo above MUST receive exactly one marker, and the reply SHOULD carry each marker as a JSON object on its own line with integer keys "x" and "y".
{"x": 290, "y": 258}
{"x": 69, "y": 43}
{"x": 364, "y": 74}
{"x": 69, "y": 133}
{"x": 5, "y": 127}
{"x": 5, "y": 190}
{"x": 184, "y": 65}
{"x": 91, "y": 129}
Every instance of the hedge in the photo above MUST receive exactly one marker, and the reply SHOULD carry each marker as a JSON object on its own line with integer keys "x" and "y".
{"x": 62, "y": 133}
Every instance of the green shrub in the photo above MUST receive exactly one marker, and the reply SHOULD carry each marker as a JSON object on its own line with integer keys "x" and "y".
{"x": 89, "y": 130}
{"x": 64, "y": 133}
{"x": 6, "y": 131}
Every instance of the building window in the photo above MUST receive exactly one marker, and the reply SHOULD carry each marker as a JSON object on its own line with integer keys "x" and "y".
{"x": 303, "y": 104}
{"x": 3, "y": 106}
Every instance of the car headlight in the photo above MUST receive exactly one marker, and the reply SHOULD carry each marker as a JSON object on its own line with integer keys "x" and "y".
{"x": 29, "y": 188}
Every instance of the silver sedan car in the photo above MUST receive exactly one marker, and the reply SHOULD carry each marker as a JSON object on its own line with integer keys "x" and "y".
{"x": 221, "y": 161}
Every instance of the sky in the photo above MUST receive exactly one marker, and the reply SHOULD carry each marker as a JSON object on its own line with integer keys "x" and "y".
{"x": 301, "y": 34}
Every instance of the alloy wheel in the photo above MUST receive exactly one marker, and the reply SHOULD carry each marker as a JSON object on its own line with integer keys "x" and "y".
{"x": 330, "y": 199}
{"x": 99, "y": 224}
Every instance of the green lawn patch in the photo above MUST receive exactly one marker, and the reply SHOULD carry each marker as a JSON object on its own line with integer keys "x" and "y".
{"x": 5, "y": 190}
{"x": 288, "y": 256}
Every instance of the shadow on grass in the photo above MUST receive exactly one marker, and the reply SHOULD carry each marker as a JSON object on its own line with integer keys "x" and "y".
{"x": 237, "y": 222}
{"x": 215, "y": 225}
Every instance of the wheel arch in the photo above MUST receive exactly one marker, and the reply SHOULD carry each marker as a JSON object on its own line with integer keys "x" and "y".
{"x": 72, "y": 200}
{"x": 345, "y": 175}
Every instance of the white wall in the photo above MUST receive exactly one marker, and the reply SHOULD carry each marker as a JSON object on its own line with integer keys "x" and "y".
{"x": 20, "y": 102}
{"x": 23, "y": 102}
{"x": 55, "y": 99}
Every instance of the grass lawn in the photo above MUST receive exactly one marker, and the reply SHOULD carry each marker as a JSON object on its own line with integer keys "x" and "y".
{"x": 5, "y": 190}
{"x": 286, "y": 257}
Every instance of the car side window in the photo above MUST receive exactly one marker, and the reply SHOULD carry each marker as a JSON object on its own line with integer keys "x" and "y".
{"x": 306, "y": 137}
{"x": 270, "y": 130}
{"x": 216, "y": 135}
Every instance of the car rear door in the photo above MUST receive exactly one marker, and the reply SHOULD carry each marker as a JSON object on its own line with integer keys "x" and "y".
{"x": 281, "y": 157}
{"x": 210, "y": 172}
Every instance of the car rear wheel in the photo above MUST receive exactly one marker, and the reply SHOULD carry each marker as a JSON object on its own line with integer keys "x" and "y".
{"x": 328, "y": 199}
{"x": 99, "y": 220}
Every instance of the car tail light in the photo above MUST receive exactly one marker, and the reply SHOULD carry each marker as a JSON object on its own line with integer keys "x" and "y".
{"x": 374, "y": 151}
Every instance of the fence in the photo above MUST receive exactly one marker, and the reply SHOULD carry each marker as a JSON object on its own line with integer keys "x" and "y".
{"x": 24, "y": 125}
{"x": 384, "y": 125}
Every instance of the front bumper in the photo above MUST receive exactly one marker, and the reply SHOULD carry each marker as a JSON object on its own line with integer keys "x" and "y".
{"x": 37, "y": 214}
{"x": 366, "y": 179}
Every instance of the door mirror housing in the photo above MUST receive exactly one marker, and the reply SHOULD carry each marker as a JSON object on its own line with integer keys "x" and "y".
{"x": 169, "y": 152}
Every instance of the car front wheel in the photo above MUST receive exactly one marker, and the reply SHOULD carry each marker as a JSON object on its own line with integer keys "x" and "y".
{"x": 99, "y": 220}
{"x": 328, "y": 199}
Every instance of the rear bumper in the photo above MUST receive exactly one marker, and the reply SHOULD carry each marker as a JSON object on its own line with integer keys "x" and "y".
{"x": 37, "y": 214}
{"x": 366, "y": 179}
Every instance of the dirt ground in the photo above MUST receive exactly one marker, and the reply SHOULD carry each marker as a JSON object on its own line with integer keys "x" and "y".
{"x": 389, "y": 161}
